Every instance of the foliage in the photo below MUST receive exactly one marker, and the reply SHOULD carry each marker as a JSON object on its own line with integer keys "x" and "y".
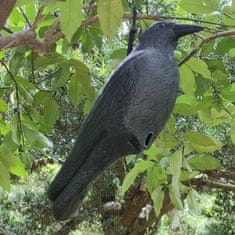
{"x": 64, "y": 66}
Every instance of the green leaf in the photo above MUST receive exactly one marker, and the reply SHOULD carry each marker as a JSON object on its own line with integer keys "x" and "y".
{"x": 155, "y": 176}
{"x": 199, "y": 66}
{"x": 212, "y": 117}
{"x": 166, "y": 140}
{"x": 225, "y": 45}
{"x": 140, "y": 167}
{"x": 75, "y": 90}
{"x": 200, "y": 6}
{"x": 231, "y": 52}
{"x": 50, "y": 115}
{"x": 110, "y": 15}
{"x": 186, "y": 105}
{"x": 188, "y": 175}
{"x": 50, "y": 111}
{"x": 12, "y": 163}
{"x": 71, "y": 16}
{"x": 201, "y": 142}
{"x": 62, "y": 76}
{"x": 175, "y": 164}
{"x": 36, "y": 139}
{"x": 157, "y": 196}
{"x": 204, "y": 162}
{"x": 174, "y": 193}
{"x": 8, "y": 143}
{"x": 15, "y": 130}
{"x": 232, "y": 131}
{"x": 44, "y": 61}
{"x": 4, "y": 178}
{"x": 187, "y": 80}
{"x": 118, "y": 54}
{"x": 192, "y": 200}
{"x": 3, "y": 106}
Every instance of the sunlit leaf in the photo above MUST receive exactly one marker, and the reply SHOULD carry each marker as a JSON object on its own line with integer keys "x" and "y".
{"x": 3, "y": 106}
{"x": 192, "y": 200}
{"x": 12, "y": 163}
{"x": 187, "y": 81}
{"x": 157, "y": 196}
{"x": 199, "y": 66}
{"x": 75, "y": 90}
{"x": 71, "y": 16}
{"x": 155, "y": 176}
{"x": 110, "y": 15}
{"x": 204, "y": 162}
{"x": 175, "y": 195}
{"x": 200, "y": 6}
{"x": 201, "y": 142}
{"x": 140, "y": 167}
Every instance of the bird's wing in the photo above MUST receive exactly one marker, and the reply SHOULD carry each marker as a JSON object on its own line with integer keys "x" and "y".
{"x": 93, "y": 129}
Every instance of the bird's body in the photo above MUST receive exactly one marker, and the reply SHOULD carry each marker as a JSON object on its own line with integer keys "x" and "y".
{"x": 129, "y": 113}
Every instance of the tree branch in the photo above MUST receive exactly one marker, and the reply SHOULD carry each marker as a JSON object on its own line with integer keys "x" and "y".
{"x": 227, "y": 174}
{"x": 205, "y": 41}
{"x": 212, "y": 184}
{"x": 43, "y": 46}
{"x": 6, "y": 7}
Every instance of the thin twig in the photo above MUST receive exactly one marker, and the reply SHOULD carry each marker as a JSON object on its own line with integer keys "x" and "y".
{"x": 205, "y": 41}
{"x": 211, "y": 184}
{"x": 17, "y": 102}
{"x": 25, "y": 17}
{"x": 7, "y": 30}
{"x": 228, "y": 15}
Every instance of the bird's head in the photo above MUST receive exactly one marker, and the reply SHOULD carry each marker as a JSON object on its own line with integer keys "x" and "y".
{"x": 166, "y": 34}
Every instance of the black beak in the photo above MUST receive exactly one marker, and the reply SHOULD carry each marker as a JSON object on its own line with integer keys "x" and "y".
{"x": 185, "y": 29}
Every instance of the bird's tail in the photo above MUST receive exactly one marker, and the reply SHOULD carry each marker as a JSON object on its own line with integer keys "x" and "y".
{"x": 68, "y": 192}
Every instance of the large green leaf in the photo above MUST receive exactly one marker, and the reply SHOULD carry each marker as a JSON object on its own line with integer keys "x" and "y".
{"x": 199, "y": 66}
{"x": 192, "y": 200}
{"x": 157, "y": 196}
{"x": 200, "y": 6}
{"x": 71, "y": 16}
{"x": 110, "y": 15}
{"x": 175, "y": 164}
{"x": 174, "y": 193}
{"x": 75, "y": 90}
{"x": 155, "y": 177}
{"x": 3, "y": 106}
{"x": 4, "y": 177}
{"x": 12, "y": 163}
{"x": 186, "y": 105}
{"x": 140, "y": 167}
{"x": 201, "y": 142}
{"x": 187, "y": 80}
{"x": 204, "y": 162}
{"x": 36, "y": 139}
{"x": 225, "y": 45}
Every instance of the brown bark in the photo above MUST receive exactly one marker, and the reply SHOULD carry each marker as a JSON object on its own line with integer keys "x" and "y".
{"x": 6, "y": 7}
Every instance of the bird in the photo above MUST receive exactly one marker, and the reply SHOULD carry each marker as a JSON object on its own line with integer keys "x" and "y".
{"x": 127, "y": 116}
